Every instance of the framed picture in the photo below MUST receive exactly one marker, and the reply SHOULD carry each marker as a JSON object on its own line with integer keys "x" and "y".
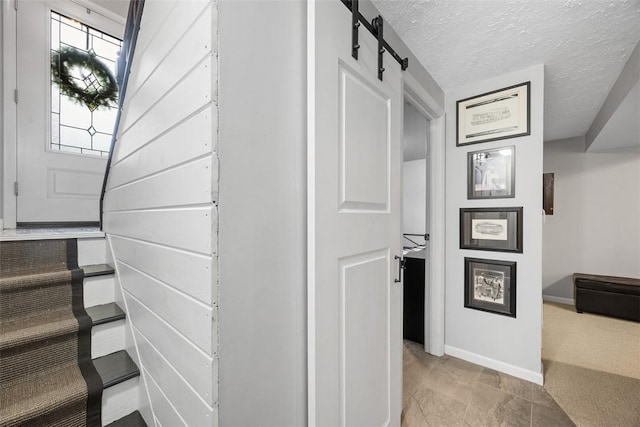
{"x": 490, "y": 285}
{"x": 503, "y": 113}
{"x": 491, "y": 229}
{"x": 491, "y": 174}
{"x": 547, "y": 193}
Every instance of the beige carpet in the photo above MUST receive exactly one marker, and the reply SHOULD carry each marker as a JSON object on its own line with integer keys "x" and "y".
{"x": 592, "y": 366}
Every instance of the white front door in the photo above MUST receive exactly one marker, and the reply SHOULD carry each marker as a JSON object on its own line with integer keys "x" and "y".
{"x": 355, "y": 196}
{"x": 59, "y": 183}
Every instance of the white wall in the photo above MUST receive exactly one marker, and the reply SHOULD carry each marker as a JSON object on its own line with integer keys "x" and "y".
{"x": 7, "y": 114}
{"x": 416, "y": 129}
{"x": 595, "y": 227}
{"x": 1, "y": 118}
{"x": 414, "y": 206}
{"x": 262, "y": 213}
{"x": 160, "y": 212}
{"x": 503, "y": 343}
{"x": 414, "y": 174}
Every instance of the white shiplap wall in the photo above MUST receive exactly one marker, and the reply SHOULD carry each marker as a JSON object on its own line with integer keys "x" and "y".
{"x": 160, "y": 212}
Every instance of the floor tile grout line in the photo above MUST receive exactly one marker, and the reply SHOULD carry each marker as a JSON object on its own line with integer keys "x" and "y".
{"x": 531, "y": 414}
{"x": 424, "y": 416}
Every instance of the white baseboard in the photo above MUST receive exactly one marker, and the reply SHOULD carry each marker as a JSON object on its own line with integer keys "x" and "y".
{"x": 535, "y": 377}
{"x": 558, "y": 300}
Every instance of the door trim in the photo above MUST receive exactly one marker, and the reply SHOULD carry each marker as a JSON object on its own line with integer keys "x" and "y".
{"x": 9, "y": 116}
{"x": 420, "y": 98}
{"x": 311, "y": 215}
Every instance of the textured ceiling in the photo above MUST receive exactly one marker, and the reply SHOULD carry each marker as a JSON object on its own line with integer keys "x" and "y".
{"x": 584, "y": 44}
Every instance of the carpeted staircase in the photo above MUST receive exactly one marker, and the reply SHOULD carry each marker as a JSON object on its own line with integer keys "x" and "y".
{"x": 47, "y": 376}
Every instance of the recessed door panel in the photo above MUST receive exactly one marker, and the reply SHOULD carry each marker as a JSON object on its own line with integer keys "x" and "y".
{"x": 73, "y": 184}
{"x": 364, "y": 144}
{"x": 365, "y": 370}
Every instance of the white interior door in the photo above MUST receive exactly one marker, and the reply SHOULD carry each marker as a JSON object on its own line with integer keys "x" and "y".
{"x": 355, "y": 196}
{"x": 54, "y": 185}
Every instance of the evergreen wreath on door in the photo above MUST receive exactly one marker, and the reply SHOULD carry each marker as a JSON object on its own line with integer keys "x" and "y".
{"x": 100, "y": 87}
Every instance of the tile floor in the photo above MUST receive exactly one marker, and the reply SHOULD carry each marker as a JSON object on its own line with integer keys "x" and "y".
{"x": 446, "y": 391}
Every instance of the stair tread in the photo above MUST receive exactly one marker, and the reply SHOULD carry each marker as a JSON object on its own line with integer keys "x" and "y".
{"x": 134, "y": 419}
{"x": 116, "y": 368}
{"x": 97, "y": 270}
{"x": 105, "y": 313}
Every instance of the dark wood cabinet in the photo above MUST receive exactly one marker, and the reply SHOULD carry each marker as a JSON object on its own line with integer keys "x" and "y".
{"x": 414, "y": 291}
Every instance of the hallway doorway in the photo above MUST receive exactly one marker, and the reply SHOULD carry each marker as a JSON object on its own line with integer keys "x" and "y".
{"x": 415, "y": 225}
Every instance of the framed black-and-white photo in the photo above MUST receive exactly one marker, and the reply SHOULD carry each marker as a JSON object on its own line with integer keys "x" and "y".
{"x": 491, "y": 174}
{"x": 491, "y": 229}
{"x": 503, "y": 113}
{"x": 490, "y": 285}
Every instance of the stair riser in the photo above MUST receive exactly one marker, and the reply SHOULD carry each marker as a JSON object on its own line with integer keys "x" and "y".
{"x": 92, "y": 251}
{"x": 99, "y": 290}
{"x": 120, "y": 400}
{"x": 107, "y": 338}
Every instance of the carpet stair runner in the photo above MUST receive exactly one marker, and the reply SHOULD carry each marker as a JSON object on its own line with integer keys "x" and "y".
{"x": 47, "y": 376}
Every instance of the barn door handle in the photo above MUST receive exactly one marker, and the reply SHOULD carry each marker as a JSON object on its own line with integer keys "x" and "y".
{"x": 401, "y": 267}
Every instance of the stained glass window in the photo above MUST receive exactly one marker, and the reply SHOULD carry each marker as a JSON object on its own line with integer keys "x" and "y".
{"x": 78, "y": 125}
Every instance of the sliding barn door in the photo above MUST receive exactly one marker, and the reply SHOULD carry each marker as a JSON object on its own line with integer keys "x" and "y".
{"x": 355, "y": 158}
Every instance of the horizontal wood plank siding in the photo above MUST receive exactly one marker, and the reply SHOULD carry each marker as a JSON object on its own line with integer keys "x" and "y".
{"x": 177, "y": 390}
{"x": 192, "y": 94}
{"x": 163, "y": 407}
{"x": 189, "y": 228}
{"x": 192, "y": 319}
{"x": 188, "y": 360}
{"x": 160, "y": 212}
{"x": 164, "y": 39}
{"x": 154, "y": 17}
{"x": 174, "y": 67}
{"x": 170, "y": 266}
{"x": 144, "y": 193}
{"x": 161, "y": 155}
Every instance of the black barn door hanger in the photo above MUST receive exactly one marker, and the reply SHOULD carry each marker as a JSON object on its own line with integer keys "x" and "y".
{"x": 376, "y": 28}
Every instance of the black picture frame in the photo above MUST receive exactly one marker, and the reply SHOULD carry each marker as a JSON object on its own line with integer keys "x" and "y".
{"x": 491, "y": 116}
{"x": 491, "y": 173}
{"x": 490, "y": 285}
{"x": 492, "y": 229}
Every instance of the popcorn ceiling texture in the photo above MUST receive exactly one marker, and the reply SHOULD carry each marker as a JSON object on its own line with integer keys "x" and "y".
{"x": 583, "y": 44}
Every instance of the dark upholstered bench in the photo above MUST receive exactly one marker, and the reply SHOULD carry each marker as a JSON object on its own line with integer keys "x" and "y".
{"x": 611, "y": 296}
